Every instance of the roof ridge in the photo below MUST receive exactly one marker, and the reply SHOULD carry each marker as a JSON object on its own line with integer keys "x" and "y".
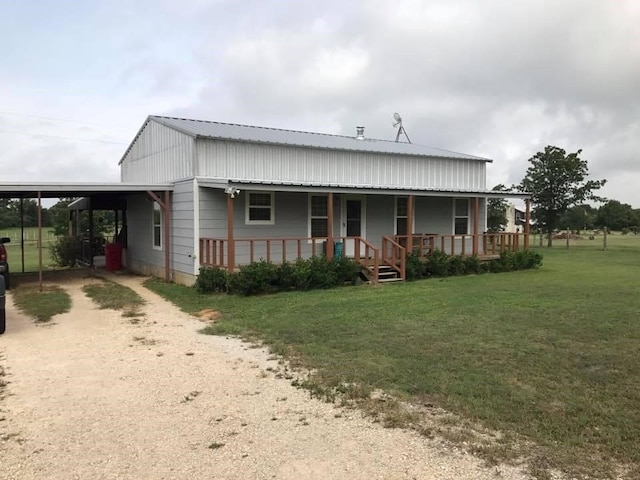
{"x": 453, "y": 153}
{"x": 263, "y": 127}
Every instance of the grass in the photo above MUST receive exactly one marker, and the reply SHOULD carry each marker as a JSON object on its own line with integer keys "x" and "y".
{"x": 31, "y": 257}
{"x": 111, "y": 295}
{"x": 41, "y": 305}
{"x": 548, "y": 357}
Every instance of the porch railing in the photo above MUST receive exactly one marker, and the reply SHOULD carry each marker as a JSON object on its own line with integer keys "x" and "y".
{"x": 482, "y": 245}
{"x": 215, "y": 251}
{"x": 394, "y": 255}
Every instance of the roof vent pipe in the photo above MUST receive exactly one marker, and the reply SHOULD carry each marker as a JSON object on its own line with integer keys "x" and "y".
{"x": 360, "y": 133}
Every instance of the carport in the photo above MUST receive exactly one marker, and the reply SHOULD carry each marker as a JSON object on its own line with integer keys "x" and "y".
{"x": 97, "y": 195}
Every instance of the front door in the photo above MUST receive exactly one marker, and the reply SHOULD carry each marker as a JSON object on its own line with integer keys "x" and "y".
{"x": 353, "y": 216}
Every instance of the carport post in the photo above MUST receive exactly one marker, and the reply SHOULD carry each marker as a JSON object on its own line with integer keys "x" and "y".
{"x": 40, "y": 241}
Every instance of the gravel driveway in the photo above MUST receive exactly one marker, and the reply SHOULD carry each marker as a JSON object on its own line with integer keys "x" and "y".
{"x": 94, "y": 396}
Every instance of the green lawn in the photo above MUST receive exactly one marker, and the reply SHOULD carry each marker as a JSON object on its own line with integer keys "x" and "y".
{"x": 550, "y": 355}
{"x": 31, "y": 260}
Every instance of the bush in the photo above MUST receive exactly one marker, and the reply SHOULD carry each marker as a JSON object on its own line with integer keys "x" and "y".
{"x": 438, "y": 264}
{"x": 65, "y": 251}
{"x": 323, "y": 273}
{"x": 414, "y": 267}
{"x": 211, "y": 280}
{"x": 526, "y": 259}
{"x": 256, "y": 278}
{"x": 285, "y": 280}
{"x": 473, "y": 265}
{"x": 347, "y": 270}
{"x": 457, "y": 265}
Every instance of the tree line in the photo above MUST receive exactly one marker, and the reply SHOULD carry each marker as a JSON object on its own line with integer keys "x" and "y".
{"x": 561, "y": 192}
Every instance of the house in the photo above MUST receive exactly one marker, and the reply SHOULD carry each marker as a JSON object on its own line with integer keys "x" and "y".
{"x": 241, "y": 193}
{"x": 515, "y": 219}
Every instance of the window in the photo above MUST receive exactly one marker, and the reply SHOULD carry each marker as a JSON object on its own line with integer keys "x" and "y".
{"x": 259, "y": 208}
{"x": 461, "y": 216}
{"x": 318, "y": 216}
{"x": 401, "y": 215}
{"x": 157, "y": 226}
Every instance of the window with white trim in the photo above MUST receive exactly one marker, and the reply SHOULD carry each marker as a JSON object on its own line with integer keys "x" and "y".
{"x": 318, "y": 216}
{"x": 157, "y": 221}
{"x": 401, "y": 215}
{"x": 461, "y": 216}
{"x": 259, "y": 208}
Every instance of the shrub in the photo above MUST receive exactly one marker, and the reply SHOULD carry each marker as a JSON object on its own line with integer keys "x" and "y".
{"x": 457, "y": 265}
{"x": 65, "y": 251}
{"x": 414, "y": 267}
{"x": 473, "y": 265}
{"x": 526, "y": 259}
{"x": 211, "y": 280}
{"x": 302, "y": 274}
{"x": 256, "y": 278}
{"x": 285, "y": 276}
{"x": 323, "y": 275}
{"x": 347, "y": 270}
{"x": 438, "y": 264}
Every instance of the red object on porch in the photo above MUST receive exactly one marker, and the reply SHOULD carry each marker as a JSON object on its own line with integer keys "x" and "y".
{"x": 113, "y": 256}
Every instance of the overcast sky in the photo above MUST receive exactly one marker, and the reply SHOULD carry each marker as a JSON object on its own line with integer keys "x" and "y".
{"x": 501, "y": 79}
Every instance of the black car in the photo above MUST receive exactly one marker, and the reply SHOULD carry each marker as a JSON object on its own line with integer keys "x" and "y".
{"x": 3, "y": 318}
{"x": 4, "y": 262}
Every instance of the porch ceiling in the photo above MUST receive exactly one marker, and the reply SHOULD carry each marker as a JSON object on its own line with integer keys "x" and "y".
{"x": 357, "y": 189}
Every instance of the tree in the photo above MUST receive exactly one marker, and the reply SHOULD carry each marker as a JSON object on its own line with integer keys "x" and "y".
{"x": 579, "y": 218}
{"x": 497, "y": 211}
{"x": 557, "y": 182}
{"x": 615, "y": 215}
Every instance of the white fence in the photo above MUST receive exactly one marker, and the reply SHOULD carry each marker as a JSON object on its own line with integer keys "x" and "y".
{"x": 29, "y": 235}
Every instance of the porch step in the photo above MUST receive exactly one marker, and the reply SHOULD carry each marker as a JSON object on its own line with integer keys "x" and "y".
{"x": 390, "y": 279}
{"x": 387, "y": 274}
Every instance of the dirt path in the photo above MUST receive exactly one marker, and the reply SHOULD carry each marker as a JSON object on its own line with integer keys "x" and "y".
{"x": 93, "y": 396}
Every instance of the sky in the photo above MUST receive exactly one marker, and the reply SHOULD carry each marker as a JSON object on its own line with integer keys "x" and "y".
{"x": 494, "y": 78}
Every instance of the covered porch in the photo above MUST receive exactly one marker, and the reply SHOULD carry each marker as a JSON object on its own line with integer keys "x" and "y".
{"x": 375, "y": 228}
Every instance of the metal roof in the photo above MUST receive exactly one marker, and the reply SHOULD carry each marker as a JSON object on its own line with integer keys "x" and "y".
{"x": 75, "y": 189}
{"x": 248, "y": 133}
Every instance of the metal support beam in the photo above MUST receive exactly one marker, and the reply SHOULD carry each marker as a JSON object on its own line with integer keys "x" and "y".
{"x": 40, "y": 241}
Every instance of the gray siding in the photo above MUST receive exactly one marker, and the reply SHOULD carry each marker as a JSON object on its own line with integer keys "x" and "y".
{"x": 434, "y": 215}
{"x": 140, "y": 231}
{"x": 140, "y": 250}
{"x": 158, "y": 154}
{"x": 183, "y": 256}
{"x": 380, "y": 218}
{"x": 276, "y": 163}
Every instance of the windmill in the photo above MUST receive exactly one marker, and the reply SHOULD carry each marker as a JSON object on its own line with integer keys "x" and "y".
{"x": 397, "y": 122}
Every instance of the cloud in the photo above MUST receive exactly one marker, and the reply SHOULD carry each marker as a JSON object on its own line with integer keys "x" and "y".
{"x": 492, "y": 78}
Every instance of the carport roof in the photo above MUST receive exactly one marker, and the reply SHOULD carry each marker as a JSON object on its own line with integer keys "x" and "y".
{"x": 76, "y": 189}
